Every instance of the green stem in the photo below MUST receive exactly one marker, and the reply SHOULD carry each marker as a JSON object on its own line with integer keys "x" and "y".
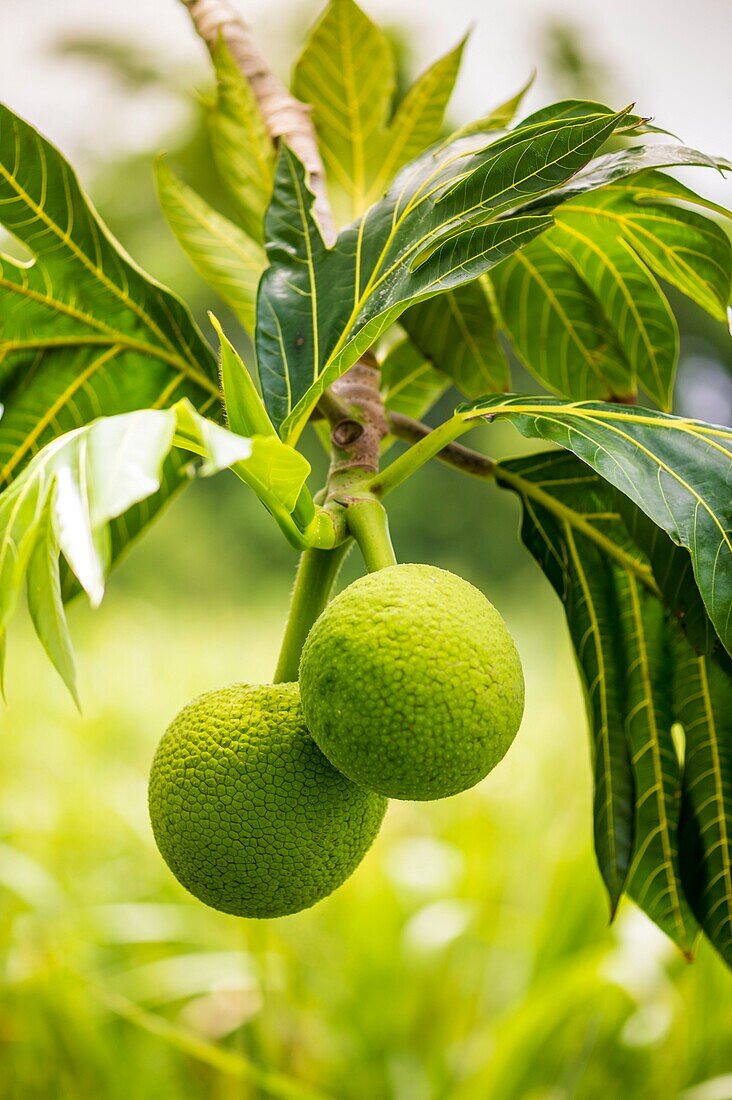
{"x": 460, "y": 458}
{"x": 314, "y": 582}
{"x": 368, "y": 523}
{"x": 412, "y": 460}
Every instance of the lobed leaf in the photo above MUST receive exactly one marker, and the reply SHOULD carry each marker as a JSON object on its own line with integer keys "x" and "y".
{"x": 446, "y": 220}
{"x": 417, "y": 122}
{"x": 568, "y": 528}
{"x": 674, "y": 575}
{"x": 85, "y": 332}
{"x": 676, "y": 470}
{"x": 457, "y": 332}
{"x": 242, "y": 148}
{"x": 629, "y": 653}
{"x": 348, "y": 74}
{"x": 500, "y": 117}
{"x": 226, "y": 257}
{"x": 583, "y": 305}
{"x": 654, "y": 880}
{"x": 703, "y": 692}
{"x": 557, "y": 326}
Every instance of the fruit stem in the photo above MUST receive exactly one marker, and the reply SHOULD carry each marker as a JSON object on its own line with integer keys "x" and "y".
{"x": 316, "y": 575}
{"x": 368, "y": 522}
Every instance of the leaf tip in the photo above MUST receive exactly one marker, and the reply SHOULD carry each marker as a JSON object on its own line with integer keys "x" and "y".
{"x": 469, "y": 30}
{"x": 216, "y": 326}
{"x": 160, "y": 165}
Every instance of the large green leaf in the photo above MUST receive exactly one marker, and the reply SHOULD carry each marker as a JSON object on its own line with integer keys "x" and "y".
{"x": 679, "y": 245}
{"x": 582, "y": 304}
{"x": 84, "y": 331}
{"x": 243, "y": 150}
{"x": 703, "y": 690}
{"x": 568, "y": 528}
{"x": 347, "y": 72}
{"x": 622, "y": 637}
{"x": 674, "y": 575}
{"x": 229, "y": 260}
{"x": 457, "y": 332}
{"x": 557, "y": 325}
{"x": 676, "y": 470}
{"x": 67, "y": 496}
{"x": 654, "y": 874}
{"x": 611, "y": 168}
{"x": 446, "y": 219}
{"x": 636, "y": 309}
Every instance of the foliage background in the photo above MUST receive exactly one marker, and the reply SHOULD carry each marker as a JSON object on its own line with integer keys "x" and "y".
{"x": 470, "y": 955}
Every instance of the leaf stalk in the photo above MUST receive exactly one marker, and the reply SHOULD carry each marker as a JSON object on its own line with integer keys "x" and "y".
{"x": 412, "y": 460}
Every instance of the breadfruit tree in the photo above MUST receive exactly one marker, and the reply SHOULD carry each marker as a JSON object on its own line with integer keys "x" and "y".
{"x": 375, "y": 261}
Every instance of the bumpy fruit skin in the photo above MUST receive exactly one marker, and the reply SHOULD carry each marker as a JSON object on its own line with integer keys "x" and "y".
{"x": 247, "y": 812}
{"x": 411, "y": 684}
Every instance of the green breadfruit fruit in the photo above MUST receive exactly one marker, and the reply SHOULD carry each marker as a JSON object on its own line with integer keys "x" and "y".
{"x": 411, "y": 684}
{"x": 247, "y": 812}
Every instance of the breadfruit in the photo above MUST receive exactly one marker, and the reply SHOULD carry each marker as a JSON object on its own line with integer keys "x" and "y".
{"x": 247, "y": 812}
{"x": 411, "y": 684}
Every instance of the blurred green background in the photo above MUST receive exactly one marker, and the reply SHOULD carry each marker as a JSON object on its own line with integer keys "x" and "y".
{"x": 470, "y": 956}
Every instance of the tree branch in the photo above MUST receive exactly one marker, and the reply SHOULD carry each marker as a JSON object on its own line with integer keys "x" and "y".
{"x": 356, "y": 436}
{"x": 286, "y": 118}
{"x": 356, "y": 440}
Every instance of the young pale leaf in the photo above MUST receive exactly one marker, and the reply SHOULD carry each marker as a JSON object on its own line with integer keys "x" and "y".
{"x": 409, "y": 383}
{"x": 276, "y": 472}
{"x": 45, "y": 603}
{"x": 417, "y": 121}
{"x": 21, "y": 511}
{"x": 222, "y": 254}
{"x": 245, "y": 413}
{"x": 347, "y": 72}
{"x": 85, "y": 332}
{"x": 242, "y": 148}
{"x": 457, "y": 332}
{"x": 703, "y": 691}
{"x": 674, "y": 469}
{"x": 500, "y": 117}
{"x": 65, "y": 499}
{"x": 446, "y": 220}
